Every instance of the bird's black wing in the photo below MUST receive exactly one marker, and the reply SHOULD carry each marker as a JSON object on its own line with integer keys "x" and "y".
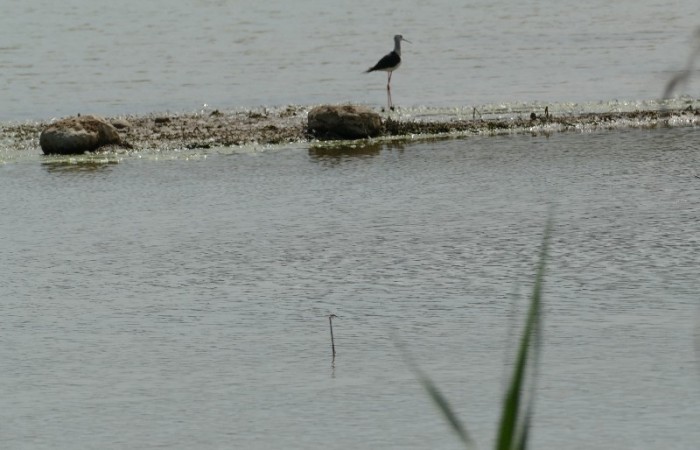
{"x": 387, "y": 62}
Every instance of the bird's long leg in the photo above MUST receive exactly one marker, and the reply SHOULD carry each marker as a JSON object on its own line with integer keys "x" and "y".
{"x": 390, "y": 104}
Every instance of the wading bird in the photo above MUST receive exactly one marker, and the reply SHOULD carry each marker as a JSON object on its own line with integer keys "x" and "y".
{"x": 389, "y": 63}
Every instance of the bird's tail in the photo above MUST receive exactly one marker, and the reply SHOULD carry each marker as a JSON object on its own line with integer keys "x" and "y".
{"x": 369, "y": 70}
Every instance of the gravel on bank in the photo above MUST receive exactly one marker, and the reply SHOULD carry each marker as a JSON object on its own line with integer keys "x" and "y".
{"x": 289, "y": 124}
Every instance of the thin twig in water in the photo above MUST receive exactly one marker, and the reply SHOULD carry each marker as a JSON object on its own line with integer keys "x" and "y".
{"x": 330, "y": 321}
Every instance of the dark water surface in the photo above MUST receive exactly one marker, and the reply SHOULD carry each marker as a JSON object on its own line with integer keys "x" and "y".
{"x": 179, "y": 300}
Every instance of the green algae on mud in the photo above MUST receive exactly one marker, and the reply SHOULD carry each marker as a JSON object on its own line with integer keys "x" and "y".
{"x": 278, "y": 126}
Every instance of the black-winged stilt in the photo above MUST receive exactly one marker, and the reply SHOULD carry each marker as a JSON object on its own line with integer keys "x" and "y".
{"x": 389, "y": 63}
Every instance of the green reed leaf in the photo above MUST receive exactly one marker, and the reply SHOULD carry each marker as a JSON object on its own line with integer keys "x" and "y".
{"x": 514, "y": 425}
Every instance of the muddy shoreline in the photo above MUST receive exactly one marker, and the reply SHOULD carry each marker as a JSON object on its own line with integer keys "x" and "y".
{"x": 288, "y": 125}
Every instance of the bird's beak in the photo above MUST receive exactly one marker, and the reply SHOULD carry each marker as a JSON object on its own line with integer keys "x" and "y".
{"x": 406, "y": 40}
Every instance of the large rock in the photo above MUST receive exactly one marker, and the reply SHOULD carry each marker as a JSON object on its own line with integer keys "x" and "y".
{"x": 344, "y": 122}
{"x": 75, "y": 135}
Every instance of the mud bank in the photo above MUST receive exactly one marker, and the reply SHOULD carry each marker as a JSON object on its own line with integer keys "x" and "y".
{"x": 289, "y": 124}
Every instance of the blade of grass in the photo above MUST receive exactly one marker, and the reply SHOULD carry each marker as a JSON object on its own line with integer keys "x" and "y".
{"x": 444, "y": 406}
{"x": 514, "y": 426}
{"x": 440, "y": 401}
{"x": 513, "y": 429}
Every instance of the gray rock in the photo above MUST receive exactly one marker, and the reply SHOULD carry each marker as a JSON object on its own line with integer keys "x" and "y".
{"x": 75, "y": 135}
{"x": 121, "y": 124}
{"x": 344, "y": 122}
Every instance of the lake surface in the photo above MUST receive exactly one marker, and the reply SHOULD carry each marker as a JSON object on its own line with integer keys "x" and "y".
{"x": 110, "y": 58}
{"x": 179, "y": 300}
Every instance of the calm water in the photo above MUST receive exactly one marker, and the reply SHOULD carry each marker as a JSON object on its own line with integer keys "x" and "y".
{"x": 180, "y": 300}
{"x": 109, "y": 58}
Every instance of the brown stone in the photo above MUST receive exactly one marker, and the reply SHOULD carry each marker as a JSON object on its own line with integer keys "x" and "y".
{"x": 344, "y": 122}
{"x": 75, "y": 135}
